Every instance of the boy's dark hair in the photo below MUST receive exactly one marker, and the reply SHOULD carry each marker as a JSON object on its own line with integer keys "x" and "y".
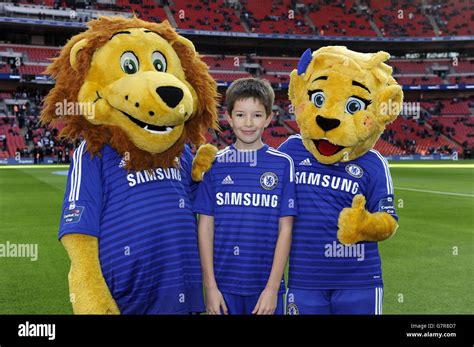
{"x": 244, "y": 88}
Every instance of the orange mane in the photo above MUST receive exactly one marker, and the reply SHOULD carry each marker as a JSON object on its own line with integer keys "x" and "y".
{"x": 69, "y": 82}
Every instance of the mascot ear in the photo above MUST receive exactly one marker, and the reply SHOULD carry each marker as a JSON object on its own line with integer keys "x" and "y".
{"x": 391, "y": 100}
{"x": 74, "y": 50}
{"x": 296, "y": 87}
{"x": 185, "y": 42}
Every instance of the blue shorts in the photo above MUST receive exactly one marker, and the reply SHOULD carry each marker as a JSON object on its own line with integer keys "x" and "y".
{"x": 335, "y": 301}
{"x": 238, "y": 304}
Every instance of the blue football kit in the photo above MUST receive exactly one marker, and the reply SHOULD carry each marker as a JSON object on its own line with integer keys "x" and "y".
{"x": 326, "y": 276}
{"x": 145, "y": 226}
{"x": 247, "y": 192}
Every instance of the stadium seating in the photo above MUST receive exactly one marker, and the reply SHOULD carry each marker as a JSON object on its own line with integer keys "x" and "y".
{"x": 400, "y": 18}
{"x": 464, "y": 130}
{"x": 277, "y": 18}
{"x": 454, "y": 17}
{"x": 344, "y": 18}
{"x": 214, "y": 16}
{"x": 339, "y": 19}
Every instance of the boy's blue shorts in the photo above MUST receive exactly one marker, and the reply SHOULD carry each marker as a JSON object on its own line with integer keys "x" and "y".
{"x": 238, "y": 304}
{"x": 335, "y": 301}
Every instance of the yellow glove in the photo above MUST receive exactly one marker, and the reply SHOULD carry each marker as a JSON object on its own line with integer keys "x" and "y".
{"x": 356, "y": 224}
{"x": 203, "y": 161}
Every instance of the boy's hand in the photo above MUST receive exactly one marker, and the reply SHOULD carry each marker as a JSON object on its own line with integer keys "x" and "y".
{"x": 267, "y": 302}
{"x": 203, "y": 161}
{"x": 215, "y": 303}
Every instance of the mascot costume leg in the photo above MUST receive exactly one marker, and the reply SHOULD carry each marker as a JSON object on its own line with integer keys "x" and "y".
{"x": 127, "y": 223}
{"x": 343, "y": 100}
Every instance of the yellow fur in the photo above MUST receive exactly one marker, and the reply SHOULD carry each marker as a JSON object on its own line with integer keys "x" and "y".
{"x": 89, "y": 293}
{"x": 120, "y": 99}
{"x": 356, "y": 133}
{"x": 112, "y": 92}
{"x": 203, "y": 161}
{"x": 357, "y": 224}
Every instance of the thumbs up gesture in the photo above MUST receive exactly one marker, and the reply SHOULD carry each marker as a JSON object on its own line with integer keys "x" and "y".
{"x": 351, "y": 220}
{"x": 356, "y": 224}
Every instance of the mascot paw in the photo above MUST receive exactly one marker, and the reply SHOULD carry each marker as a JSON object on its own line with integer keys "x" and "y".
{"x": 351, "y": 220}
{"x": 91, "y": 296}
{"x": 203, "y": 161}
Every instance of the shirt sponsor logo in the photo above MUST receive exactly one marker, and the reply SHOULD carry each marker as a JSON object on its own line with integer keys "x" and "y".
{"x": 354, "y": 170}
{"x": 246, "y": 199}
{"x": 327, "y": 181}
{"x": 156, "y": 175}
{"x": 268, "y": 180}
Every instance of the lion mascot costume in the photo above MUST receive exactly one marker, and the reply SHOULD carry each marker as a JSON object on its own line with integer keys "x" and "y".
{"x": 342, "y": 100}
{"x": 138, "y": 94}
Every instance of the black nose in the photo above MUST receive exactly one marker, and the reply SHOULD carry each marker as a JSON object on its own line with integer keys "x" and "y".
{"x": 327, "y": 123}
{"x": 172, "y": 96}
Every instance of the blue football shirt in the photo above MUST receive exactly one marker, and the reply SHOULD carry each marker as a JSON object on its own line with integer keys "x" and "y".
{"x": 247, "y": 192}
{"x": 146, "y": 229}
{"x": 317, "y": 259}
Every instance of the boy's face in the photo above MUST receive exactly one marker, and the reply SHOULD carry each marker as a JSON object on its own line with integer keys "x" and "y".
{"x": 248, "y": 120}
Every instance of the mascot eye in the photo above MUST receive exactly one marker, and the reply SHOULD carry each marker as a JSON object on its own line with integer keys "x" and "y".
{"x": 317, "y": 97}
{"x": 129, "y": 63}
{"x": 159, "y": 61}
{"x": 355, "y": 104}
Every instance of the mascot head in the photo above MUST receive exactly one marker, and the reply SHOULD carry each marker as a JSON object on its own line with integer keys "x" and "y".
{"x": 343, "y": 100}
{"x": 135, "y": 85}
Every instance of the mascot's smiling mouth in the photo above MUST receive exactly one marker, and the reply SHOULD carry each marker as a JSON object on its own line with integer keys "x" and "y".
{"x": 327, "y": 148}
{"x": 154, "y": 129}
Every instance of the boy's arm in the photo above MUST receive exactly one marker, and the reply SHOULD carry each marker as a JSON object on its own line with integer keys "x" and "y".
{"x": 267, "y": 301}
{"x": 214, "y": 299}
{"x": 206, "y": 250}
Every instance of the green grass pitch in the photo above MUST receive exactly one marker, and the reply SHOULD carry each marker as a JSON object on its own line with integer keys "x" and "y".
{"x": 427, "y": 266}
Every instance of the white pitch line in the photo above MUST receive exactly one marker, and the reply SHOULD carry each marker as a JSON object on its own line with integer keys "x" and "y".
{"x": 434, "y": 192}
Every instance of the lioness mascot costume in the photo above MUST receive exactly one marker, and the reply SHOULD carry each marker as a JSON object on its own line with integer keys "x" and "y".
{"x": 342, "y": 101}
{"x": 127, "y": 222}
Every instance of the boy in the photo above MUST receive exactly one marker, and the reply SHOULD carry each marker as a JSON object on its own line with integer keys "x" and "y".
{"x": 246, "y": 204}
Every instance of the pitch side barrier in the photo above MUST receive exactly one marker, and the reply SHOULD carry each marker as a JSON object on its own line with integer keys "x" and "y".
{"x": 412, "y": 157}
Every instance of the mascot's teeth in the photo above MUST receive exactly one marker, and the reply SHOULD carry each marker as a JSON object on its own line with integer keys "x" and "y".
{"x": 168, "y": 130}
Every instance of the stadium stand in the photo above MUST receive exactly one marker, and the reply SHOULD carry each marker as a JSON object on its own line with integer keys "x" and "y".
{"x": 445, "y": 125}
